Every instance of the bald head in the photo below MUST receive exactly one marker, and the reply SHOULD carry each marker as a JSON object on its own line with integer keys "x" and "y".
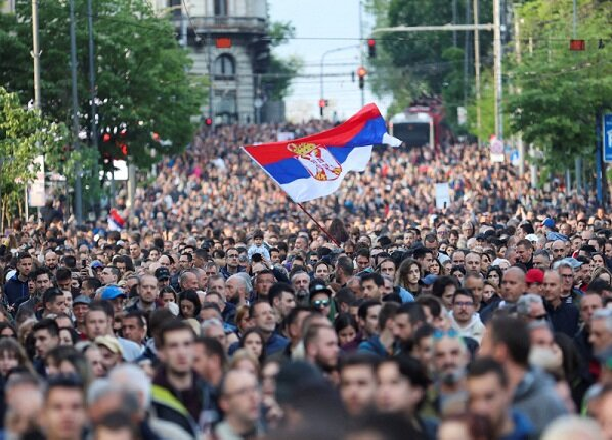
{"x": 552, "y": 287}
{"x": 513, "y": 284}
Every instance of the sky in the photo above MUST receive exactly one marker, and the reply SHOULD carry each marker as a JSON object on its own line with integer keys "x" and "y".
{"x": 323, "y": 25}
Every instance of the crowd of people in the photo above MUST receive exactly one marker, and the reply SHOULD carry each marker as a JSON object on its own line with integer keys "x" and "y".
{"x": 219, "y": 312}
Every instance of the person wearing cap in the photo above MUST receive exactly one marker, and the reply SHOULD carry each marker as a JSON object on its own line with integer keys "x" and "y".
{"x": 80, "y": 307}
{"x": 163, "y": 277}
{"x": 548, "y": 225}
{"x": 110, "y": 348}
{"x": 115, "y": 295}
{"x": 320, "y": 297}
{"x": 534, "y": 279}
{"x": 563, "y": 316}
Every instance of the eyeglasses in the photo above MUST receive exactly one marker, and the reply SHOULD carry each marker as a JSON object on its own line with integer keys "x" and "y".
{"x": 540, "y": 317}
{"x": 320, "y": 303}
{"x": 567, "y": 275}
{"x": 463, "y": 303}
{"x": 232, "y": 255}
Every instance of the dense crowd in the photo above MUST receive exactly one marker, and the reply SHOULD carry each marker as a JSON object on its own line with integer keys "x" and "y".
{"x": 219, "y": 312}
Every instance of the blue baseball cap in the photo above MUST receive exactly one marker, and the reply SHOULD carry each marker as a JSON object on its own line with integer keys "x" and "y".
{"x": 112, "y": 292}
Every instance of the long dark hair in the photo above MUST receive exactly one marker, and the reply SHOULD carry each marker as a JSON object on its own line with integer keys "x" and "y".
{"x": 338, "y": 231}
{"x": 262, "y": 356}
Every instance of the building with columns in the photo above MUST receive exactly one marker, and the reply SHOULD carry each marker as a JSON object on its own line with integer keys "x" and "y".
{"x": 228, "y": 39}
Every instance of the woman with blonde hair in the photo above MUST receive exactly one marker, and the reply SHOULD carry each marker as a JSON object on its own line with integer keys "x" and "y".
{"x": 244, "y": 360}
{"x": 602, "y": 273}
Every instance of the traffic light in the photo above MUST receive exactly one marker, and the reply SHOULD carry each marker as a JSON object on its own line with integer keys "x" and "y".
{"x": 361, "y": 73}
{"x": 371, "y": 48}
{"x": 208, "y": 122}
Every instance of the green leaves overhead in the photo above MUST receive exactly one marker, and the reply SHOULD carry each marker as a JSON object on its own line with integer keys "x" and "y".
{"x": 141, "y": 74}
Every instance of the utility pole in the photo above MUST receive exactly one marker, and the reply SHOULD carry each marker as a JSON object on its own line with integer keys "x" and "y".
{"x": 211, "y": 99}
{"x": 517, "y": 50}
{"x": 578, "y": 159}
{"x": 75, "y": 116}
{"x": 477, "y": 69}
{"x": 37, "y": 94}
{"x": 497, "y": 55}
{"x": 454, "y": 7}
{"x": 361, "y": 50}
{"x": 36, "y": 54}
{"x": 92, "y": 86}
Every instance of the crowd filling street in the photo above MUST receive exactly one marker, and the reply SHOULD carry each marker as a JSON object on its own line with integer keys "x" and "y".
{"x": 221, "y": 311}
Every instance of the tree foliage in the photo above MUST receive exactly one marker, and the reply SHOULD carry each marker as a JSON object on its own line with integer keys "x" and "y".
{"x": 142, "y": 75}
{"x": 559, "y": 91}
{"x": 411, "y": 63}
{"x": 281, "y": 71}
{"x": 24, "y": 135}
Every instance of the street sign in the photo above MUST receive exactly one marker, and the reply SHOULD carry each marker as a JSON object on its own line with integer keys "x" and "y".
{"x": 515, "y": 158}
{"x": 497, "y": 149}
{"x": 607, "y": 137}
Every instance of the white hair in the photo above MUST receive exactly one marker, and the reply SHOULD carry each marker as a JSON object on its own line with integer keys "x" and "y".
{"x": 573, "y": 427}
{"x": 131, "y": 377}
{"x": 209, "y": 323}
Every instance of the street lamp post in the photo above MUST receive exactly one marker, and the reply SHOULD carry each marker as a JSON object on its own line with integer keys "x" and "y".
{"x": 339, "y": 49}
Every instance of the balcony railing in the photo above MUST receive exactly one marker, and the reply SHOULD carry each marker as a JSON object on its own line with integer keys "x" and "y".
{"x": 225, "y": 24}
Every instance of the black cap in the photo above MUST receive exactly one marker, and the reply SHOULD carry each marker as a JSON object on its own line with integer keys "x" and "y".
{"x": 162, "y": 273}
{"x": 318, "y": 286}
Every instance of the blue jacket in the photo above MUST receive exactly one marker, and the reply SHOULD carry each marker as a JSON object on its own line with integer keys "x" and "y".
{"x": 15, "y": 290}
{"x": 406, "y": 296}
{"x": 373, "y": 345}
{"x": 523, "y": 429}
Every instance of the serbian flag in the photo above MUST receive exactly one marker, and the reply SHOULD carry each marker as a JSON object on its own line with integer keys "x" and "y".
{"x": 314, "y": 166}
{"x": 115, "y": 222}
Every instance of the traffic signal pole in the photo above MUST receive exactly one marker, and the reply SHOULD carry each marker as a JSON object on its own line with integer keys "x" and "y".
{"x": 327, "y": 52}
{"x": 78, "y": 196}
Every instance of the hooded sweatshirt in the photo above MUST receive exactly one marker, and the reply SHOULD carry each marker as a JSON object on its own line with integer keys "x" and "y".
{"x": 475, "y": 328}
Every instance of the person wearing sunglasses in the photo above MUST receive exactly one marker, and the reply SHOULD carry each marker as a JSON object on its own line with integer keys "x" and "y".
{"x": 320, "y": 297}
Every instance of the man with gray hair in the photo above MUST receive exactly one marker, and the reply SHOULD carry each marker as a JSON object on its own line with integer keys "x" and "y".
{"x": 530, "y": 307}
{"x": 236, "y": 289}
{"x": 188, "y": 280}
{"x": 600, "y": 335}
{"x": 569, "y": 293}
{"x": 574, "y": 427}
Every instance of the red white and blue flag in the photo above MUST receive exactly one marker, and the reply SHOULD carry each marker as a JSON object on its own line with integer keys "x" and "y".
{"x": 314, "y": 166}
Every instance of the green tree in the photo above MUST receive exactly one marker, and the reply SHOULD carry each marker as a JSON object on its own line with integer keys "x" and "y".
{"x": 277, "y": 80}
{"x": 23, "y": 136}
{"x": 559, "y": 92}
{"x": 411, "y": 63}
{"x": 142, "y": 75}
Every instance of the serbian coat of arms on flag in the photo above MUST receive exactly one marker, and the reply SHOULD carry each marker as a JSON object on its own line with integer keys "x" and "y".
{"x": 314, "y": 166}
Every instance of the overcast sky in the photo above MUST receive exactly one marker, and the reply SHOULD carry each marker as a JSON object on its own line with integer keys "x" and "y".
{"x": 329, "y": 21}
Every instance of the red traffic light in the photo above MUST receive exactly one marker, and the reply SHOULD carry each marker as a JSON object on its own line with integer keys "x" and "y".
{"x": 106, "y": 137}
{"x": 577, "y": 45}
{"x": 371, "y": 48}
{"x": 361, "y": 72}
{"x": 208, "y": 121}
{"x": 321, "y": 103}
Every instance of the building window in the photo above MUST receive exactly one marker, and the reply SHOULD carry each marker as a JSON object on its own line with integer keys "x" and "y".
{"x": 225, "y": 67}
{"x": 220, "y": 8}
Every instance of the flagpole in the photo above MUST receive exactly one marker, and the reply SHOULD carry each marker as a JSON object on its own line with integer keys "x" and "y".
{"x": 331, "y": 237}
